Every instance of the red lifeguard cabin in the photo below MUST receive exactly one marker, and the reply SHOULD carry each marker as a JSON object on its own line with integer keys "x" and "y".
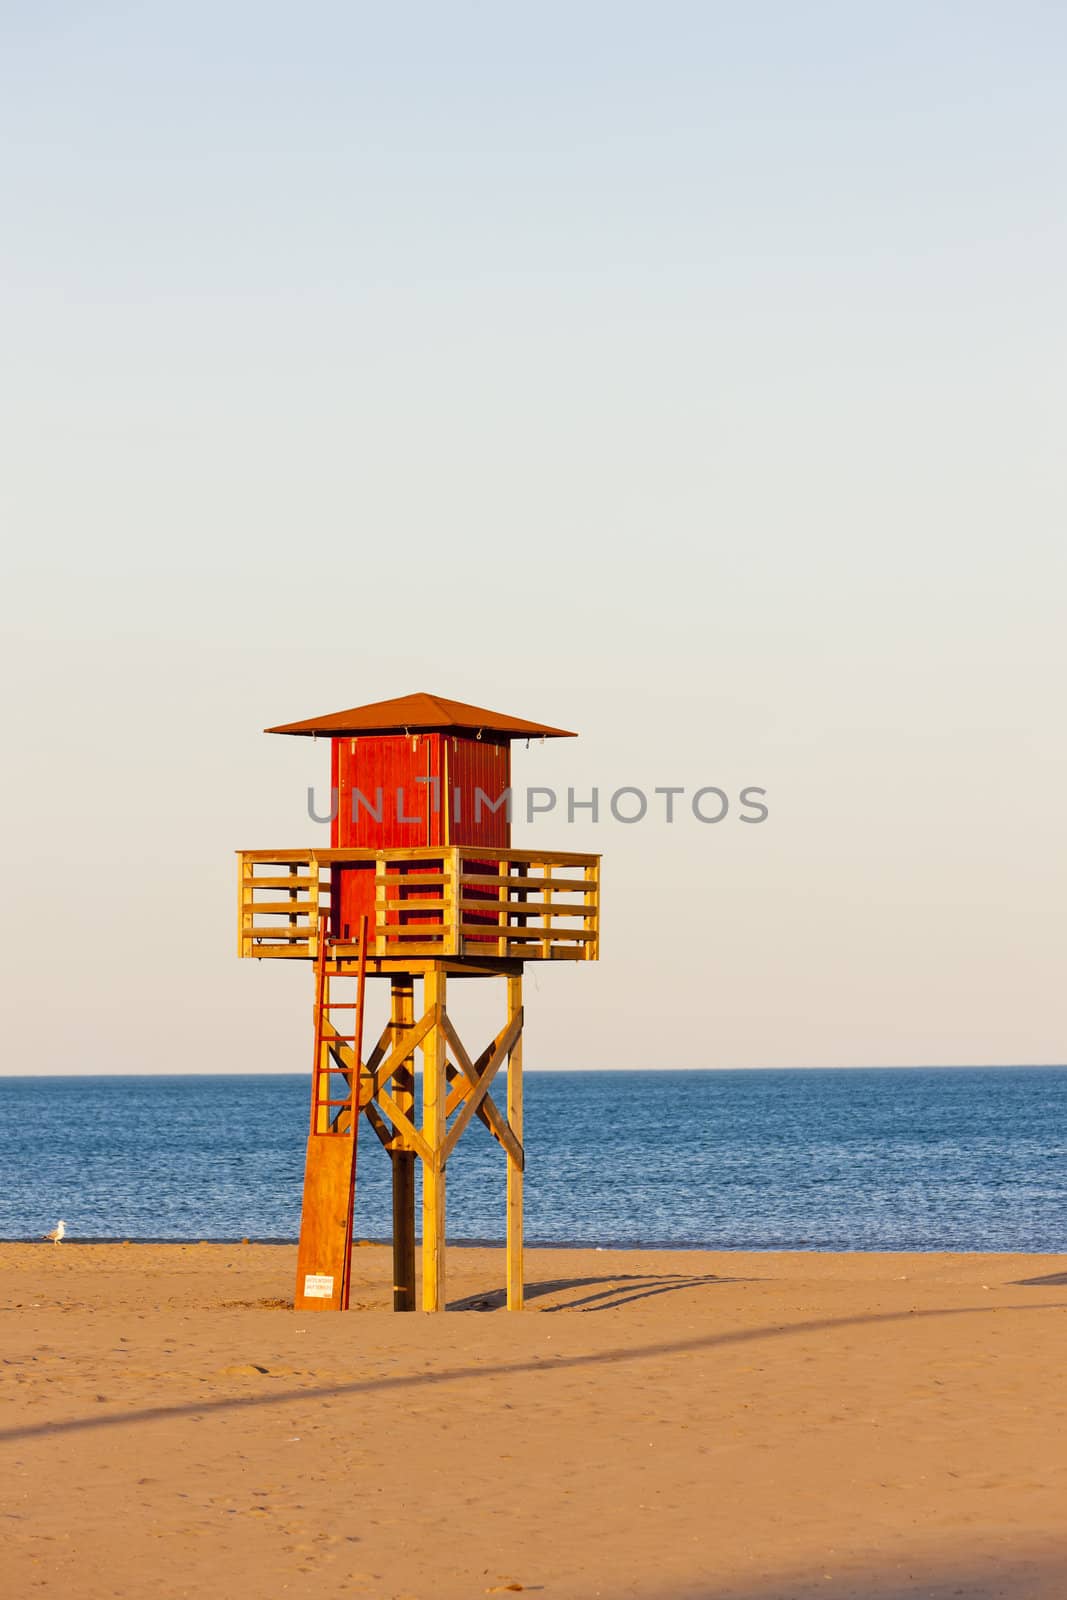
{"x": 420, "y": 883}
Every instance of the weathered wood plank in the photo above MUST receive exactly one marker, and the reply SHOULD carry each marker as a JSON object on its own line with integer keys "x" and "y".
{"x": 526, "y": 908}
{"x": 284, "y": 883}
{"x": 488, "y": 932}
{"x": 274, "y": 908}
{"x": 473, "y": 880}
{"x": 320, "y": 1259}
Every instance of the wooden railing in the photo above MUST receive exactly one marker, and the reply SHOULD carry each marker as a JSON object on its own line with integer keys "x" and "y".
{"x": 431, "y": 903}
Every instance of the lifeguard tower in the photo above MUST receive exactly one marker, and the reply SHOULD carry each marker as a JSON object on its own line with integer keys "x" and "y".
{"x": 420, "y": 885}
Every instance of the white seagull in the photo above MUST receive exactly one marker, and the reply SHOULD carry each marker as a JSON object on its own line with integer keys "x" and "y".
{"x": 57, "y": 1232}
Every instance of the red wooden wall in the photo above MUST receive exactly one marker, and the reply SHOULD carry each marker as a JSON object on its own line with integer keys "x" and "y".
{"x": 391, "y": 763}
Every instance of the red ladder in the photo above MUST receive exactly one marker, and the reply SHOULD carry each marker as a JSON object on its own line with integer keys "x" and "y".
{"x": 323, "y": 1273}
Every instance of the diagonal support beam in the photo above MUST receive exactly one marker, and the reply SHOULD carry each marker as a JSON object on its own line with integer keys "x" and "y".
{"x": 486, "y": 1112}
{"x": 400, "y": 1052}
{"x": 376, "y": 1072}
{"x": 403, "y": 1124}
{"x": 386, "y": 1136}
{"x": 493, "y": 1119}
{"x": 479, "y": 1084}
{"x": 342, "y": 1059}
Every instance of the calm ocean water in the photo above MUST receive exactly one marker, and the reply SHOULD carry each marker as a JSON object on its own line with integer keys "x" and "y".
{"x": 951, "y": 1159}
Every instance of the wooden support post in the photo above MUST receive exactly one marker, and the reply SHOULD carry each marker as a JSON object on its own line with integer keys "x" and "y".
{"x": 434, "y": 1091}
{"x": 403, "y": 1016}
{"x": 515, "y": 1281}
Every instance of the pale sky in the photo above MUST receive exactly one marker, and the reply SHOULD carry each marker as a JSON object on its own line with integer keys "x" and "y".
{"x": 690, "y": 375}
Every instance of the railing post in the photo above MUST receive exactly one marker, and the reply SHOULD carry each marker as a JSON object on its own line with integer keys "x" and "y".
{"x": 380, "y": 912}
{"x": 452, "y": 895}
{"x": 503, "y": 868}
{"x": 591, "y": 900}
{"x": 546, "y": 915}
{"x": 294, "y": 896}
{"x": 315, "y": 929}
{"x": 521, "y": 895}
{"x": 244, "y": 903}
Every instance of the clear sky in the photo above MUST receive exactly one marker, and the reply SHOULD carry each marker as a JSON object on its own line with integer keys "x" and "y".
{"x": 691, "y": 375}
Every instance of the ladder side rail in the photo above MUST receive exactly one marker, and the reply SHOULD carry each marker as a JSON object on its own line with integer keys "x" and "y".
{"x": 353, "y": 1114}
{"x": 320, "y": 1002}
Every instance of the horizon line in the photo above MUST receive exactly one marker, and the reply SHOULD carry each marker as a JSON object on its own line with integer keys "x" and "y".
{"x": 954, "y": 1066}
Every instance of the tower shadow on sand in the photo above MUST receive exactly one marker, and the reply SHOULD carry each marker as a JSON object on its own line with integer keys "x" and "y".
{"x": 623, "y": 1289}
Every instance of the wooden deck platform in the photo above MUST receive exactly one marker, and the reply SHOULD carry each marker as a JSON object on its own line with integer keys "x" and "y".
{"x": 471, "y": 906}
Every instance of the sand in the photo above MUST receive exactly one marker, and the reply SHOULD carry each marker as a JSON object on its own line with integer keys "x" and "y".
{"x": 657, "y": 1425}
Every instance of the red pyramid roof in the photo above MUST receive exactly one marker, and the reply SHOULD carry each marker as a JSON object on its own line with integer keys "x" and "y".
{"x": 412, "y": 712}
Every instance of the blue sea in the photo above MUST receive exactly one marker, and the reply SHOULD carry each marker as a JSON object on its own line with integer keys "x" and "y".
{"x": 880, "y": 1159}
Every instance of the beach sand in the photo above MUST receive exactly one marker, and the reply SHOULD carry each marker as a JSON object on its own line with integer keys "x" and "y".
{"x": 657, "y": 1425}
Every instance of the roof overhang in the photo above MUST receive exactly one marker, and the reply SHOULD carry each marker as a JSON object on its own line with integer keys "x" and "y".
{"x": 420, "y": 713}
